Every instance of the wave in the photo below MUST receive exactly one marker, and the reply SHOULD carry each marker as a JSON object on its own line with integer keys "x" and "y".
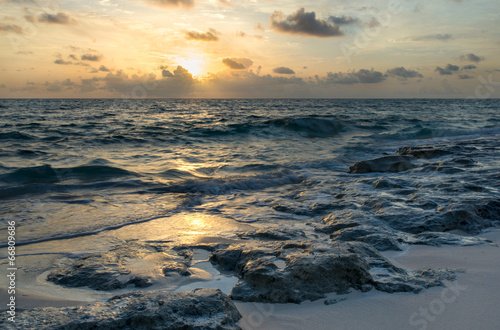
{"x": 420, "y": 133}
{"x": 48, "y": 174}
{"x": 15, "y": 191}
{"x": 176, "y": 174}
{"x": 221, "y": 186}
{"x": 29, "y": 153}
{"x": 311, "y": 126}
{"x": 16, "y": 136}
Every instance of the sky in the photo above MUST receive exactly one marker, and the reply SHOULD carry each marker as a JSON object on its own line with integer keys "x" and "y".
{"x": 250, "y": 49}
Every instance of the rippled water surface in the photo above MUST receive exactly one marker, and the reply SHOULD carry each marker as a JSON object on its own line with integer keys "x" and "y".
{"x": 69, "y": 167}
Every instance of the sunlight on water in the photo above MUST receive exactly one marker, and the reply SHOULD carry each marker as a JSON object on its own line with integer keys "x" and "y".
{"x": 70, "y": 167}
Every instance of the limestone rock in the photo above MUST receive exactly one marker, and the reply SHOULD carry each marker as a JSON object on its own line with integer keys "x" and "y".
{"x": 198, "y": 309}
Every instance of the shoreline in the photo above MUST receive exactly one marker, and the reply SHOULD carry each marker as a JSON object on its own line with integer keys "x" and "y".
{"x": 466, "y": 303}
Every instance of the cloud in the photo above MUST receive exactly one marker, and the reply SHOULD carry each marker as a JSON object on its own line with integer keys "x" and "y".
{"x": 439, "y": 37}
{"x": 242, "y": 34}
{"x": 244, "y": 84}
{"x": 172, "y": 3}
{"x": 22, "y": 2}
{"x": 53, "y": 87}
{"x": 402, "y": 73}
{"x": 452, "y": 67}
{"x": 82, "y": 64}
{"x": 226, "y": 3}
{"x": 419, "y": 8}
{"x": 11, "y": 28}
{"x": 283, "y": 70}
{"x": 103, "y": 68}
{"x": 362, "y": 76}
{"x": 179, "y": 84}
{"x": 469, "y": 67}
{"x": 471, "y": 58}
{"x": 58, "y": 86}
{"x": 464, "y": 76}
{"x": 233, "y": 64}
{"x": 302, "y": 23}
{"x": 29, "y": 18}
{"x": 448, "y": 70}
{"x": 63, "y": 62}
{"x": 373, "y": 23}
{"x": 211, "y": 35}
{"x": 259, "y": 26}
{"x": 237, "y": 63}
{"x": 79, "y": 49}
{"x": 90, "y": 85}
{"x": 59, "y": 18}
{"x": 343, "y": 20}
{"x": 29, "y": 87}
{"x": 166, "y": 74}
{"x": 91, "y": 57}
{"x": 68, "y": 83}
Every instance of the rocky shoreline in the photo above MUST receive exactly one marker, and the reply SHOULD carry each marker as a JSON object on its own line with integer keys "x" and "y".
{"x": 199, "y": 309}
{"x": 279, "y": 264}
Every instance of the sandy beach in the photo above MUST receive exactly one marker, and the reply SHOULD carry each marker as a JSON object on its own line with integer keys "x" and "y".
{"x": 468, "y": 303}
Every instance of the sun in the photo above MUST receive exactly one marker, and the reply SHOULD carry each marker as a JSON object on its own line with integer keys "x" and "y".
{"x": 195, "y": 65}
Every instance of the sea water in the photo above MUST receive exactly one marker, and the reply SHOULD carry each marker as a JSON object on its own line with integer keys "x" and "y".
{"x": 76, "y": 167}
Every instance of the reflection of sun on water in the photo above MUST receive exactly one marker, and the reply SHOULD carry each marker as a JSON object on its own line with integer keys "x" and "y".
{"x": 197, "y": 223}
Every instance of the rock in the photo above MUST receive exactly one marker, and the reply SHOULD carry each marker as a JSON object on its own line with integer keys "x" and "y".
{"x": 227, "y": 258}
{"x": 442, "y": 168}
{"x": 281, "y": 272}
{"x": 389, "y": 278}
{"x": 139, "y": 282}
{"x": 374, "y": 236}
{"x": 111, "y": 270}
{"x": 180, "y": 268}
{"x": 198, "y": 309}
{"x": 380, "y": 241}
{"x": 386, "y": 184}
{"x": 96, "y": 271}
{"x": 322, "y": 208}
{"x": 305, "y": 276}
{"x": 469, "y": 216}
{"x": 334, "y": 301}
{"x": 288, "y": 209}
{"x": 277, "y": 234}
{"x": 419, "y": 280}
{"x": 424, "y": 152}
{"x": 334, "y": 223}
{"x": 384, "y": 164}
{"x": 438, "y": 239}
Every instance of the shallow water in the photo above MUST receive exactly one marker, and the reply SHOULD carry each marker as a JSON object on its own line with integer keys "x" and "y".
{"x": 75, "y": 167}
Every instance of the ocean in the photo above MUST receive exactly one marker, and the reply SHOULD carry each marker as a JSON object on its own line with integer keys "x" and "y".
{"x": 77, "y": 169}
